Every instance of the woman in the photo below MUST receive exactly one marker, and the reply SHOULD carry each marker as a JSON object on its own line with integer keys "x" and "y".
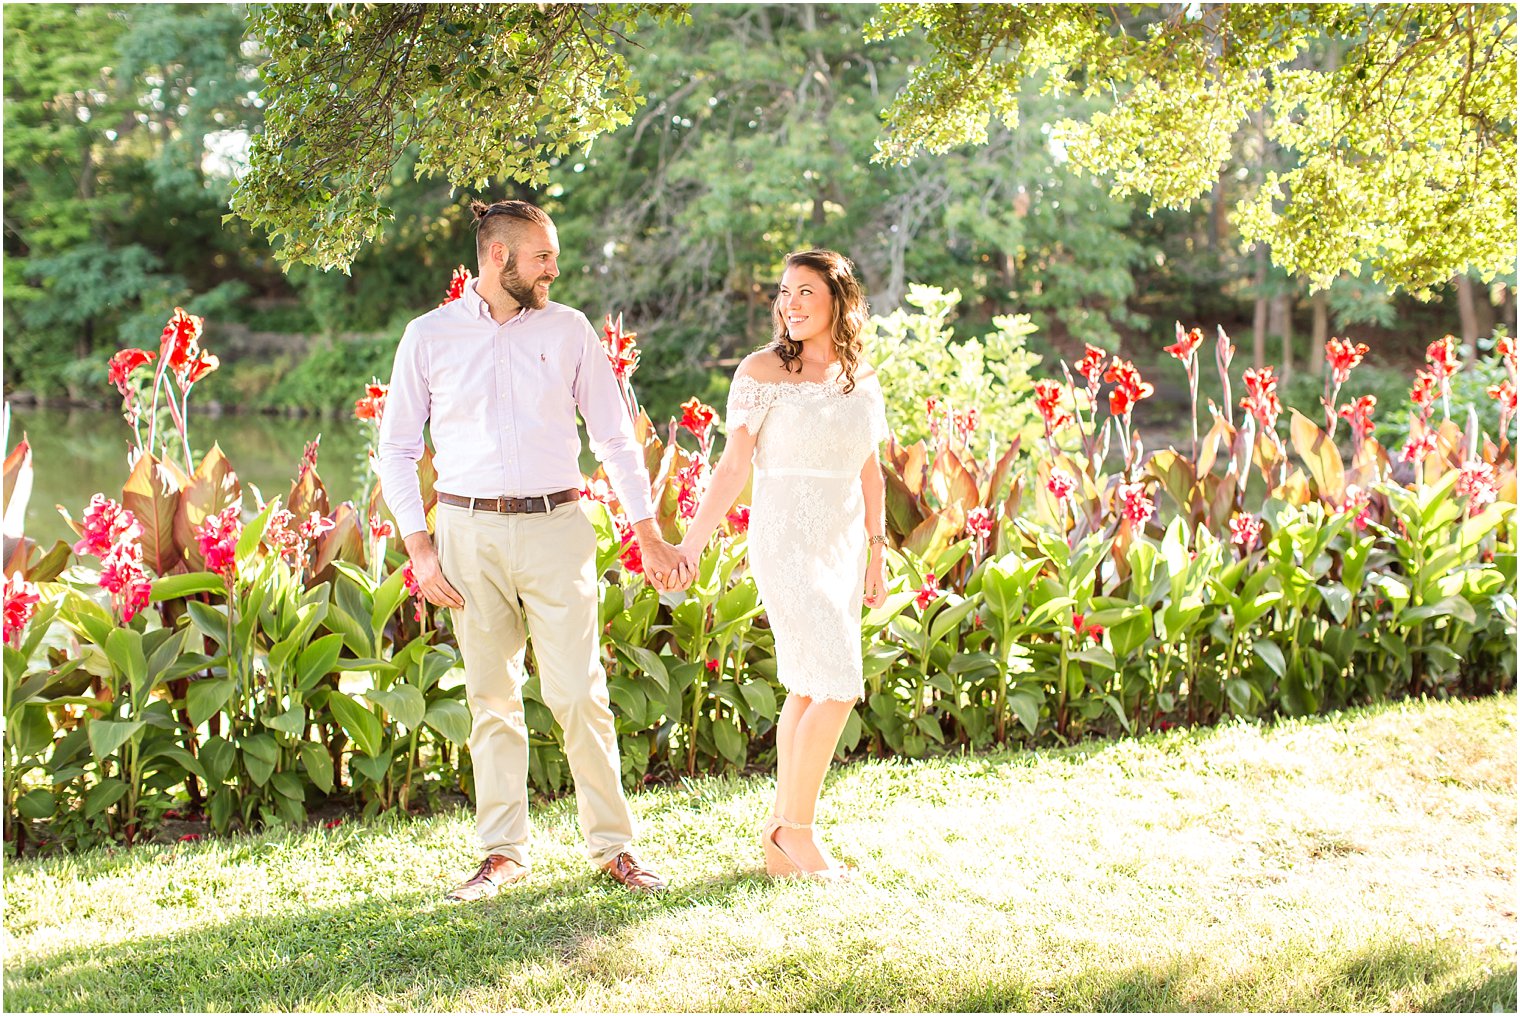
{"x": 809, "y": 415}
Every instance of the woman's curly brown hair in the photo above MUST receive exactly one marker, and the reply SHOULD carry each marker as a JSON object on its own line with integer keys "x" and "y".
{"x": 850, "y": 312}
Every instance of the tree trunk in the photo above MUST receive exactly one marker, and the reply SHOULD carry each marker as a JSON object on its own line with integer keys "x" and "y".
{"x": 1259, "y": 318}
{"x": 1467, "y": 309}
{"x": 1282, "y": 325}
{"x": 1320, "y": 333}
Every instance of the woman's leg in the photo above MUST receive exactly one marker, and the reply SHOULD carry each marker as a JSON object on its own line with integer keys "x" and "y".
{"x": 786, "y": 739}
{"x": 813, "y": 739}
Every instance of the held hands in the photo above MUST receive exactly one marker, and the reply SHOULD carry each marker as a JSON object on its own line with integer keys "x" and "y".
{"x": 666, "y": 568}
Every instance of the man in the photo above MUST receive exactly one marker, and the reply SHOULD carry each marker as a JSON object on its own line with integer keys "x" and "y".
{"x": 500, "y": 374}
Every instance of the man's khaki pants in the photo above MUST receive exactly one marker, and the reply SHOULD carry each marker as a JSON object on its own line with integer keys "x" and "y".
{"x": 524, "y": 575}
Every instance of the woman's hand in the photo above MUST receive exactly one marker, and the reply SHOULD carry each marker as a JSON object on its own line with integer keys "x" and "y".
{"x": 876, "y": 581}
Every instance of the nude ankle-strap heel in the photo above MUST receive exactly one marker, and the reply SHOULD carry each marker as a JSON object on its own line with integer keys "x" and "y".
{"x": 779, "y": 863}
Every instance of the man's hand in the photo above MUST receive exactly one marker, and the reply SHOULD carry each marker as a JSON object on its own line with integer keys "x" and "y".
{"x": 666, "y": 568}
{"x": 429, "y": 573}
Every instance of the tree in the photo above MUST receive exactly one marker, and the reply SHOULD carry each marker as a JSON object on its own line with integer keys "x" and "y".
{"x": 476, "y": 90}
{"x": 1404, "y": 149}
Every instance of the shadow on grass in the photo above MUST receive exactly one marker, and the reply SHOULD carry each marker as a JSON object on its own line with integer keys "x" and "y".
{"x": 1391, "y": 975}
{"x": 411, "y": 948}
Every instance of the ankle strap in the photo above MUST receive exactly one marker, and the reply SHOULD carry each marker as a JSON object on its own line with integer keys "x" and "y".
{"x": 788, "y": 823}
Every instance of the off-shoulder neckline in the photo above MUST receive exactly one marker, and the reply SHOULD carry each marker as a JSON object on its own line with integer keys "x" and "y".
{"x": 835, "y": 385}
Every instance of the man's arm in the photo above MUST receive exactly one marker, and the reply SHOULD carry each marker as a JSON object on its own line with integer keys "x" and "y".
{"x": 612, "y": 442}
{"x": 407, "y": 407}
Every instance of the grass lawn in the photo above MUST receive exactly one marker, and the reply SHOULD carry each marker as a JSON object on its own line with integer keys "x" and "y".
{"x": 1361, "y": 861}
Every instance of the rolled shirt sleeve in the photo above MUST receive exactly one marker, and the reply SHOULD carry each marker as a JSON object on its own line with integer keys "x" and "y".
{"x": 610, "y": 429}
{"x": 407, "y": 406}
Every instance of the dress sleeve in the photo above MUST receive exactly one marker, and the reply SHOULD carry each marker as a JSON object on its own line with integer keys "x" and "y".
{"x": 747, "y": 403}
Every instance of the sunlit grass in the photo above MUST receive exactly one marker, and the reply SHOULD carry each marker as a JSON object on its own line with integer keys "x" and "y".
{"x": 1363, "y": 861}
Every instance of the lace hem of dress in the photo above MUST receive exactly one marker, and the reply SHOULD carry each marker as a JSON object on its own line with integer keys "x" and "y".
{"x": 822, "y": 692}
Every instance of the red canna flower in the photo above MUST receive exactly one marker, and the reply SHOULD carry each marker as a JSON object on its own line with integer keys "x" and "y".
{"x": 712, "y": 666}
{"x": 1187, "y": 343}
{"x": 189, "y": 837}
{"x": 372, "y": 405}
{"x": 1359, "y": 414}
{"x": 622, "y": 351}
{"x": 380, "y": 529}
{"x": 1137, "y": 508}
{"x": 21, "y": 599}
{"x": 1476, "y": 482}
{"x": 409, "y": 580}
{"x": 738, "y": 520}
{"x": 1425, "y": 388}
{"x": 927, "y": 593}
{"x": 460, "y": 279}
{"x": 217, "y": 537}
{"x": 332, "y": 823}
{"x": 1505, "y": 348}
{"x": 1343, "y": 356}
{"x": 965, "y": 423}
{"x": 1504, "y": 394}
{"x": 1061, "y": 484}
{"x": 1442, "y": 355}
{"x": 106, "y": 524}
{"x": 1245, "y": 530}
{"x": 1091, "y": 366}
{"x": 1261, "y": 398}
{"x": 179, "y": 343}
{"x": 1129, "y": 387}
{"x": 1047, "y": 399}
{"x": 123, "y": 364}
{"x": 631, "y": 557}
{"x": 1080, "y": 628}
{"x": 199, "y": 366}
{"x": 691, "y": 484}
{"x": 696, "y": 417}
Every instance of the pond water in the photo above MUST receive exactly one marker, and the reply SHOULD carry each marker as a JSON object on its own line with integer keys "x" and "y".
{"x": 80, "y": 452}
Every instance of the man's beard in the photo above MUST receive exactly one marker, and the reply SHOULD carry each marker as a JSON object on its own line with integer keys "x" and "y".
{"x": 527, "y": 294}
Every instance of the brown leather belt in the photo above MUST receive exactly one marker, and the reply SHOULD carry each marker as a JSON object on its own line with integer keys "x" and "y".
{"x": 511, "y": 505}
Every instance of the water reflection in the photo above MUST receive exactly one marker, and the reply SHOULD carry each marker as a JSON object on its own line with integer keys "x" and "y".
{"x": 79, "y": 452}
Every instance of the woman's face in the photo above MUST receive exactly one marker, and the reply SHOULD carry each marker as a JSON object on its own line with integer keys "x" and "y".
{"x": 805, "y": 304}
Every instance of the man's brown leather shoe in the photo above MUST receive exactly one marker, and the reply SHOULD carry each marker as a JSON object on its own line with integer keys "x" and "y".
{"x": 629, "y": 872}
{"x": 495, "y": 872}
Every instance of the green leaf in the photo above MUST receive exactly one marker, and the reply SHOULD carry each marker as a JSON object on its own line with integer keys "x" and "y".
{"x": 108, "y": 735}
{"x": 403, "y": 702}
{"x": 317, "y": 660}
{"x": 253, "y": 532}
{"x": 1026, "y": 706}
{"x": 760, "y": 698}
{"x": 372, "y": 768}
{"x": 124, "y": 648}
{"x": 36, "y": 804}
{"x": 361, "y": 724}
{"x": 292, "y": 721}
{"x": 103, "y": 795}
{"x": 173, "y": 587}
{"x": 1271, "y": 655}
{"x": 205, "y": 698}
{"x": 318, "y": 765}
{"x": 217, "y": 757}
{"x": 451, "y": 718}
{"x": 730, "y": 742}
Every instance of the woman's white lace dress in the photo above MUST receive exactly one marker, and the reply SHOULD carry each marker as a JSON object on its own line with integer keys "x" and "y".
{"x": 807, "y": 535}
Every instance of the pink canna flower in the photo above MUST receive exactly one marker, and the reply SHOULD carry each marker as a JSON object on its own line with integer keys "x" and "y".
{"x": 738, "y": 520}
{"x": 123, "y": 576}
{"x": 979, "y": 523}
{"x": 1137, "y": 508}
{"x": 1418, "y": 447}
{"x": 1476, "y": 482}
{"x": 597, "y": 489}
{"x": 308, "y": 458}
{"x": 1357, "y": 502}
{"x": 21, "y": 599}
{"x": 106, "y": 524}
{"x": 622, "y": 351}
{"x": 1504, "y": 394}
{"x": 380, "y": 529}
{"x": 965, "y": 423}
{"x": 1061, "y": 484}
{"x": 217, "y": 537}
{"x": 1245, "y": 530}
{"x": 315, "y": 525}
{"x": 282, "y": 535}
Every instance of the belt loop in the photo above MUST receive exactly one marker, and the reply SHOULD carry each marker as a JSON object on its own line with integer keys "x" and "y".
{"x": 472, "y": 506}
{"x": 547, "y": 506}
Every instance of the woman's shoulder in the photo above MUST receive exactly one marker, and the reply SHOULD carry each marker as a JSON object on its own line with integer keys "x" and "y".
{"x": 763, "y": 365}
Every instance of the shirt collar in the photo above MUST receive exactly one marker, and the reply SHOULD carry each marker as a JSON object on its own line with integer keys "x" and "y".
{"x": 477, "y": 306}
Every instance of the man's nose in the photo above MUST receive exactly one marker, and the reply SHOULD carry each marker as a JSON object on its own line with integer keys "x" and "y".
{"x": 551, "y": 269}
